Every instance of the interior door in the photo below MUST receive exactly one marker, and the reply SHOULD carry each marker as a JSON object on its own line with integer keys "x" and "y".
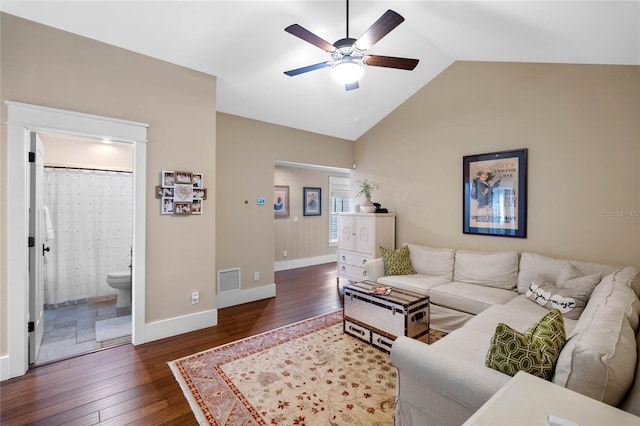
{"x": 37, "y": 252}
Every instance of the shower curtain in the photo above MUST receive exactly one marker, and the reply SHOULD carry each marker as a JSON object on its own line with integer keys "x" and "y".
{"x": 92, "y": 219}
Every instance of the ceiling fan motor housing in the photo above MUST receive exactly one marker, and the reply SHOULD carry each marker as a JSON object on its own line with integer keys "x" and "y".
{"x": 346, "y": 47}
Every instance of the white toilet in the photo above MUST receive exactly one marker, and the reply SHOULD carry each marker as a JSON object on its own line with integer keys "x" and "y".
{"x": 121, "y": 280}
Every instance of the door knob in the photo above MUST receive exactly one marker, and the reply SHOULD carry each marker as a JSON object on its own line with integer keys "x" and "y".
{"x": 45, "y": 249}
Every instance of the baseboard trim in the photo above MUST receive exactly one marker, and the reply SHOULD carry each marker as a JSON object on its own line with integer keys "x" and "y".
{"x": 173, "y": 326}
{"x": 4, "y": 368}
{"x": 301, "y": 263}
{"x": 238, "y": 297}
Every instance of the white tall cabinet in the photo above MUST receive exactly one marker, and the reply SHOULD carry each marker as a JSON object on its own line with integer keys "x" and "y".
{"x": 360, "y": 236}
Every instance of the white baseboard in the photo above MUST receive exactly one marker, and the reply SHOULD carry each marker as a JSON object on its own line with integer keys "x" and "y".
{"x": 4, "y": 368}
{"x": 179, "y": 325}
{"x": 301, "y": 263}
{"x": 237, "y": 297}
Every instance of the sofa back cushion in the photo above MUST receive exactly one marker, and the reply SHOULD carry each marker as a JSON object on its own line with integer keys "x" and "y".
{"x": 533, "y": 264}
{"x": 599, "y": 361}
{"x": 631, "y": 403}
{"x": 432, "y": 261}
{"x": 492, "y": 269}
{"x": 600, "y": 357}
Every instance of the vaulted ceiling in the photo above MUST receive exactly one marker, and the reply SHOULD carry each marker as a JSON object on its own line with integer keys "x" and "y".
{"x": 243, "y": 44}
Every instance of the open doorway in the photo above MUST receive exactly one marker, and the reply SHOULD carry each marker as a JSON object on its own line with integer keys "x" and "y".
{"x": 87, "y": 193}
{"x": 22, "y": 121}
{"x": 308, "y": 236}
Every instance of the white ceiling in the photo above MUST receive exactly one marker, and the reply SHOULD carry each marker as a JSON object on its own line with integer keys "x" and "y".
{"x": 243, "y": 44}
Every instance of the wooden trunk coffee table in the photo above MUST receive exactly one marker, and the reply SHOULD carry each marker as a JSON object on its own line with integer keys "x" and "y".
{"x": 379, "y": 319}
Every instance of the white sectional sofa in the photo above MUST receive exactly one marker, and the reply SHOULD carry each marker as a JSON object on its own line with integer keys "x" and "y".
{"x": 470, "y": 293}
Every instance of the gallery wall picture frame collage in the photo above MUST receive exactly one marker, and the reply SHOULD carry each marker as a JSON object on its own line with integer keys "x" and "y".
{"x": 181, "y": 193}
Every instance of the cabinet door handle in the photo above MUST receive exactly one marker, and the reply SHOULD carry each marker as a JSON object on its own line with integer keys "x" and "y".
{"x": 364, "y": 261}
{"x": 343, "y": 268}
{"x": 344, "y": 257}
{"x": 364, "y": 273}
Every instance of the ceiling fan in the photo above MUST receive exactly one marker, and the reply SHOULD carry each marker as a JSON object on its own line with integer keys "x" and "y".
{"x": 348, "y": 53}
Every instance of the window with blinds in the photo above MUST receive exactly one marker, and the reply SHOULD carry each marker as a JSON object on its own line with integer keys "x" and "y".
{"x": 339, "y": 193}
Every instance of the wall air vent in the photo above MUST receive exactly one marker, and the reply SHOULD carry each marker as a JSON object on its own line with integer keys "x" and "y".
{"x": 228, "y": 280}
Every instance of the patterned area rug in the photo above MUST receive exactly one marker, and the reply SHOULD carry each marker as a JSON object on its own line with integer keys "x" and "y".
{"x": 307, "y": 373}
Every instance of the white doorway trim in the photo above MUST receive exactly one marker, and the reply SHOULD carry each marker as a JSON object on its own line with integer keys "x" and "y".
{"x": 22, "y": 119}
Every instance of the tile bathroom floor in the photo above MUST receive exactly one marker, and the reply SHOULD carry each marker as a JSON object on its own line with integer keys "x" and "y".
{"x": 70, "y": 330}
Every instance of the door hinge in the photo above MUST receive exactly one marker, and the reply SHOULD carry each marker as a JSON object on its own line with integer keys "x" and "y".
{"x": 32, "y": 157}
{"x": 31, "y": 326}
{"x": 31, "y": 242}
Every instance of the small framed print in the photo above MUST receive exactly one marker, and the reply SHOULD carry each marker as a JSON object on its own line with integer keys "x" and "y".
{"x": 196, "y": 206}
{"x": 312, "y": 201}
{"x": 167, "y": 205}
{"x": 198, "y": 180}
{"x": 167, "y": 192}
{"x": 281, "y": 201}
{"x": 184, "y": 177}
{"x": 158, "y": 192}
{"x": 182, "y": 207}
{"x": 168, "y": 178}
{"x": 200, "y": 193}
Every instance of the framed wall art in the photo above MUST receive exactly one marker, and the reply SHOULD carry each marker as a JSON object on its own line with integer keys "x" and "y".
{"x": 495, "y": 193}
{"x": 181, "y": 192}
{"x": 312, "y": 201}
{"x": 168, "y": 178}
{"x": 167, "y": 205}
{"x": 281, "y": 201}
{"x": 198, "y": 180}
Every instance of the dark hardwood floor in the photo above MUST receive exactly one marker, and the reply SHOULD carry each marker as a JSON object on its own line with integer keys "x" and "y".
{"x": 133, "y": 384}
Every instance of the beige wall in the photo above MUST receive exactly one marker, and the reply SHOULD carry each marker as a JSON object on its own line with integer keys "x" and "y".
{"x": 44, "y": 66}
{"x": 580, "y": 124}
{"x": 246, "y": 154}
{"x": 309, "y": 235}
{"x": 74, "y": 151}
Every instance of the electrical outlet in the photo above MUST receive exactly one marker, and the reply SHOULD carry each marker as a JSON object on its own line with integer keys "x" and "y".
{"x": 285, "y": 253}
{"x": 256, "y": 276}
{"x": 195, "y": 297}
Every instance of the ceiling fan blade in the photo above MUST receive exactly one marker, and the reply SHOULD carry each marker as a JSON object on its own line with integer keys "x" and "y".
{"x": 351, "y": 86}
{"x": 310, "y": 37}
{"x": 308, "y": 68}
{"x": 390, "y": 62}
{"x": 383, "y": 26}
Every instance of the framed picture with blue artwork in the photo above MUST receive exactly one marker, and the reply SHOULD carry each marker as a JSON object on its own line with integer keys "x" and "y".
{"x": 495, "y": 193}
{"x": 312, "y": 201}
{"x": 281, "y": 201}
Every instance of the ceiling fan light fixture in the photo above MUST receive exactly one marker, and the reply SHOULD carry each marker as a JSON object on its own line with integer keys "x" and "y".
{"x": 347, "y": 72}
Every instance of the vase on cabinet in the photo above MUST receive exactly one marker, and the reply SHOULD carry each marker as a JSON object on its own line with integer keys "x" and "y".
{"x": 367, "y": 206}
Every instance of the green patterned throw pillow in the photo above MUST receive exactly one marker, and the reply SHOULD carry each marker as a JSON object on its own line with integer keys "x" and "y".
{"x": 397, "y": 262}
{"x": 534, "y": 352}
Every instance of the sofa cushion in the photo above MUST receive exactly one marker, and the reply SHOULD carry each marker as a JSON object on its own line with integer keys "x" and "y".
{"x": 496, "y": 269}
{"x": 417, "y": 283}
{"x": 615, "y": 290}
{"x": 470, "y": 298}
{"x": 533, "y": 264}
{"x": 599, "y": 360}
{"x": 397, "y": 262}
{"x": 631, "y": 403}
{"x": 570, "y": 297}
{"x": 534, "y": 352}
{"x": 431, "y": 261}
{"x": 519, "y": 313}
